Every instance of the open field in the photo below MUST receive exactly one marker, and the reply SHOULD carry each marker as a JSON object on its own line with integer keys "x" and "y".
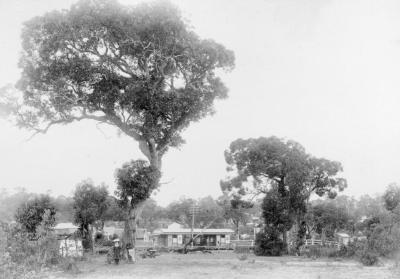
{"x": 227, "y": 265}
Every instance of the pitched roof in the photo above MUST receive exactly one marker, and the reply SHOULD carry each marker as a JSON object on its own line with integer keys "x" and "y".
{"x": 196, "y": 231}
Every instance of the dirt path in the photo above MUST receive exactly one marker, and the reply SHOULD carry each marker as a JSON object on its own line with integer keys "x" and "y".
{"x": 227, "y": 265}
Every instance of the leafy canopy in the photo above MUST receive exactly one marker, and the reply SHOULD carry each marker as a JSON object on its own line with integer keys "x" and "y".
{"x": 286, "y": 175}
{"x": 328, "y": 217}
{"x": 207, "y": 212}
{"x": 90, "y": 203}
{"x": 273, "y": 162}
{"x": 135, "y": 182}
{"x": 31, "y": 214}
{"x": 139, "y": 68}
{"x": 391, "y": 197}
{"x": 236, "y": 210}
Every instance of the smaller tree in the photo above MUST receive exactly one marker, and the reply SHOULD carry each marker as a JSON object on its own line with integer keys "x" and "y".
{"x": 114, "y": 212}
{"x": 327, "y": 217}
{"x": 30, "y": 215}
{"x": 90, "y": 204}
{"x": 210, "y": 213}
{"x": 236, "y": 211}
{"x": 369, "y": 207}
{"x": 269, "y": 243}
{"x": 151, "y": 213}
{"x": 391, "y": 197}
{"x": 136, "y": 180}
{"x": 180, "y": 211}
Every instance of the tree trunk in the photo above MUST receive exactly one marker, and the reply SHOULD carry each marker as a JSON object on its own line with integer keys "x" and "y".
{"x": 131, "y": 227}
{"x": 301, "y": 231}
{"x": 155, "y": 160}
{"x": 148, "y": 148}
{"x": 323, "y": 235}
{"x": 91, "y": 236}
{"x": 284, "y": 237}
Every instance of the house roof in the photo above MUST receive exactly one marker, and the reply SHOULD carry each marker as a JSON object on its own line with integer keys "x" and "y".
{"x": 196, "y": 231}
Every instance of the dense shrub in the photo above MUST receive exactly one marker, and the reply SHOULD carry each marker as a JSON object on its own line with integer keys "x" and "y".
{"x": 87, "y": 243}
{"x": 369, "y": 258}
{"x": 32, "y": 214}
{"x": 314, "y": 251}
{"x": 24, "y": 257}
{"x": 380, "y": 243}
{"x": 383, "y": 241}
{"x": 103, "y": 241}
{"x": 269, "y": 244}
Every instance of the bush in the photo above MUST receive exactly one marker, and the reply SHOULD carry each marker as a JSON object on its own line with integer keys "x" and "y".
{"x": 87, "y": 244}
{"x": 384, "y": 242}
{"x": 380, "y": 242}
{"x": 105, "y": 242}
{"x": 22, "y": 257}
{"x": 369, "y": 258}
{"x": 269, "y": 244}
{"x": 356, "y": 248}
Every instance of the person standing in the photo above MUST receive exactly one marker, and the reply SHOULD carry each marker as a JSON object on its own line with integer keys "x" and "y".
{"x": 116, "y": 251}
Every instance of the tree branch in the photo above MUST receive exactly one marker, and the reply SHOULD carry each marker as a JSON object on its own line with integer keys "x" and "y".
{"x": 108, "y": 119}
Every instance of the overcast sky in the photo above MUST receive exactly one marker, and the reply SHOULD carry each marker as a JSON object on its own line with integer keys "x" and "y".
{"x": 323, "y": 73}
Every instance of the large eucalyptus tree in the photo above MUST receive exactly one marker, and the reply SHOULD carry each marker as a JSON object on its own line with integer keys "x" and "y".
{"x": 140, "y": 68}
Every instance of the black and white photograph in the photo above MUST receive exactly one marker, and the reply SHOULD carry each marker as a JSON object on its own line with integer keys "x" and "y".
{"x": 196, "y": 139}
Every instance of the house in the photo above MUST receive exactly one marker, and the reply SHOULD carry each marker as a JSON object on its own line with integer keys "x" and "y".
{"x": 176, "y": 236}
{"x": 342, "y": 238}
{"x": 70, "y": 244}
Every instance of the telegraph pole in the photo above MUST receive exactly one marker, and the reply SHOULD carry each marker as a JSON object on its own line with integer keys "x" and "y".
{"x": 194, "y": 209}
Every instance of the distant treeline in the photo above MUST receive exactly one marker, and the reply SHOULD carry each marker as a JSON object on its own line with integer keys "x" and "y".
{"x": 219, "y": 212}
{"x": 324, "y": 215}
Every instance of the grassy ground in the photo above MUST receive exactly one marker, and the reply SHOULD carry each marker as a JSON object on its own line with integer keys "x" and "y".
{"x": 228, "y": 265}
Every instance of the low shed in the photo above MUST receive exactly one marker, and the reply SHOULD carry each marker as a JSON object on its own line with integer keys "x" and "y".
{"x": 70, "y": 245}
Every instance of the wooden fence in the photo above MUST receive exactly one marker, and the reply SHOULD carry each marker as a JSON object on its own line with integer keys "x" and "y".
{"x": 242, "y": 246}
